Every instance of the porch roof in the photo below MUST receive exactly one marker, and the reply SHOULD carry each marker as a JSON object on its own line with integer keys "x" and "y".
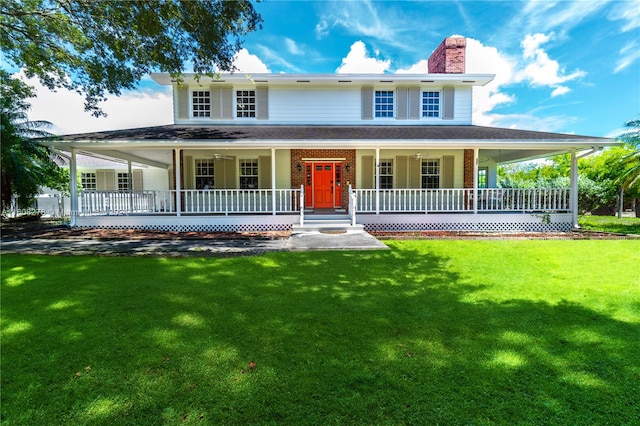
{"x": 143, "y": 145}
{"x": 314, "y": 132}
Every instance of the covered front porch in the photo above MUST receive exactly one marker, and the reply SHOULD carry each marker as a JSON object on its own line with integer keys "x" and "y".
{"x": 268, "y": 178}
{"x": 383, "y": 210}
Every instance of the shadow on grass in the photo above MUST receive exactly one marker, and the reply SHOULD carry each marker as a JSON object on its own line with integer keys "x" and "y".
{"x": 336, "y": 337}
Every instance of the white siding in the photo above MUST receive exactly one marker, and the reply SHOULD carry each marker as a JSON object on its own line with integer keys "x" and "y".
{"x": 462, "y": 106}
{"x": 340, "y": 104}
{"x": 314, "y": 105}
{"x": 155, "y": 179}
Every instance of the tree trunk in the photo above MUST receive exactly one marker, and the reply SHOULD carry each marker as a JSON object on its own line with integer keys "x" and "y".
{"x": 620, "y": 202}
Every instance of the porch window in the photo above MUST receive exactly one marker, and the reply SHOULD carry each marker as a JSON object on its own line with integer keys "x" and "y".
{"x": 249, "y": 173}
{"x": 89, "y": 181}
{"x": 383, "y": 103}
{"x": 431, "y": 173}
{"x": 386, "y": 174}
{"x": 204, "y": 173}
{"x": 431, "y": 104}
{"x": 123, "y": 182}
{"x": 246, "y": 103}
{"x": 201, "y": 103}
{"x": 482, "y": 177}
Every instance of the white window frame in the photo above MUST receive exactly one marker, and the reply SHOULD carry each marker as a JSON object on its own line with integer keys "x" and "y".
{"x": 89, "y": 181}
{"x": 386, "y": 173}
{"x": 246, "y": 98}
{"x": 204, "y": 180}
{"x": 123, "y": 181}
{"x": 384, "y": 113}
{"x": 249, "y": 172}
{"x": 423, "y": 111}
{"x": 200, "y": 102}
{"x": 424, "y": 184}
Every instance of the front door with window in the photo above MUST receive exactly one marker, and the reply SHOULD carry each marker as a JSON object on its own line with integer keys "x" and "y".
{"x": 324, "y": 185}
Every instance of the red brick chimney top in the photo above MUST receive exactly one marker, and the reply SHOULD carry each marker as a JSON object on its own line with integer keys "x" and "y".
{"x": 449, "y": 57}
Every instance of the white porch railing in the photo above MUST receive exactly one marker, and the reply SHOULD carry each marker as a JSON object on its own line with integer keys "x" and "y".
{"x": 219, "y": 201}
{"x": 462, "y": 200}
{"x": 353, "y": 203}
{"x": 240, "y": 201}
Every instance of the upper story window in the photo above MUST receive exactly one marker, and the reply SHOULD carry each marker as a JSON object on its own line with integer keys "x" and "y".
{"x": 249, "y": 173}
{"x": 88, "y": 181}
{"x": 124, "y": 183}
{"x": 204, "y": 173}
{"x": 386, "y": 174}
{"x": 431, "y": 104}
{"x": 246, "y": 103}
{"x": 201, "y": 103}
{"x": 383, "y": 103}
{"x": 430, "y": 173}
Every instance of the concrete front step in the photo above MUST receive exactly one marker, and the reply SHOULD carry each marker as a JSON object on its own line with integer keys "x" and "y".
{"x": 326, "y": 225}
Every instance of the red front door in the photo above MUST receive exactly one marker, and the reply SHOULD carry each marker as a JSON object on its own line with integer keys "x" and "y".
{"x": 323, "y": 185}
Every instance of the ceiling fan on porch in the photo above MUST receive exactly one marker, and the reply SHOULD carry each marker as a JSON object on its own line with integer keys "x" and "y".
{"x": 218, "y": 156}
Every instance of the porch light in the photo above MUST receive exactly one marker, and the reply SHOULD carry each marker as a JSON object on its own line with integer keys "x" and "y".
{"x": 299, "y": 167}
{"x": 347, "y": 167}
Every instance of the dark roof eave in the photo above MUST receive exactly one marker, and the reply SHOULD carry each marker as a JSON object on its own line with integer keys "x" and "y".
{"x": 264, "y": 133}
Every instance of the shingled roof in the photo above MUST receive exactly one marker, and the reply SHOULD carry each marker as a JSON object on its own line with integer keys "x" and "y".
{"x": 276, "y": 132}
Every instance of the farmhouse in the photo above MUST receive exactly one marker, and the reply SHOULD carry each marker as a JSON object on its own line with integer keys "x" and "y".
{"x": 268, "y": 151}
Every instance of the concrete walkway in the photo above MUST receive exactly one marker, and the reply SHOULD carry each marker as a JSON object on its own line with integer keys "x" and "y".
{"x": 342, "y": 240}
{"x": 189, "y": 247}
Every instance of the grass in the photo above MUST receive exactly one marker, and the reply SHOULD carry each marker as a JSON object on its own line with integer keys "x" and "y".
{"x": 623, "y": 225}
{"x": 429, "y": 332}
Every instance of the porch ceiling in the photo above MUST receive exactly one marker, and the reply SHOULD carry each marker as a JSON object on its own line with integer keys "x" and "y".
{"x": 152, "y": 145}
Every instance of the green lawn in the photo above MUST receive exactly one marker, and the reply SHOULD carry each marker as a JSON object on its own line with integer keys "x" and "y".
{"x": 623, "y": 225}
{"x": 429, "y": 332}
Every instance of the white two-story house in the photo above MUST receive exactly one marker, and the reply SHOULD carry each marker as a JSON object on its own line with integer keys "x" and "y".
{"x": 261, "y": 151}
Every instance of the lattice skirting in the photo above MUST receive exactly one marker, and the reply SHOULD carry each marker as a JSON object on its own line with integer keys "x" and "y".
{"x": 503, "y": 222}
{"x": 256, "y": 223}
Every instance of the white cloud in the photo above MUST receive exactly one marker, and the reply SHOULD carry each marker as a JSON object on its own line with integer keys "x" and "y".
{"x": 628, "y": 55}
{"x": 65, "y": 109}
{"x": 358, "y": 61}
{"x": 246, "y": 62}
{"x": 293, "y": 47}
{"x": 421, "y": 67}
{"x": 481, "y": 59}
{"x": 540, "y": 69}
{"x": 322, "y": 29}
{"x": 559, "y": 91}
{"x": 628, "y": 11}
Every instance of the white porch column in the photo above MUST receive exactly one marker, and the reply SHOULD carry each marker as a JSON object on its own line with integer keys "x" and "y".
{"x": 130, "y": 178}
{"x": 178, "y": 172}
{"x": 573, "y": 200}
{"x": 273, "y": 181}
{"x": 377, "y": 171}
{"x": 73, "y": 187}
{"x": 475, "y": 180}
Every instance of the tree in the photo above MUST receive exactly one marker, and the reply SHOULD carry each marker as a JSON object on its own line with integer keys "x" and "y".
{"x": 26, "y": 165}
{"x": 629, "y": 179}
{"x": 100, "y": 47}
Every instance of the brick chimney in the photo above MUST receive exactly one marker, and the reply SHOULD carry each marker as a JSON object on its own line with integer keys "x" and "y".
{"x": 449, "y": 57}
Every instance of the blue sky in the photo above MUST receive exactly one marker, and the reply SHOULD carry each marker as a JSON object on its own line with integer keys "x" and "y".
{"x": 561, "y": 66}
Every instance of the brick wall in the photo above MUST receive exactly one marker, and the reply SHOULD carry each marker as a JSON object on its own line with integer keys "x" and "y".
{"x": 298, "y": 177}
{"x": 449, "y": 57}
{"x": 468, "y": 168}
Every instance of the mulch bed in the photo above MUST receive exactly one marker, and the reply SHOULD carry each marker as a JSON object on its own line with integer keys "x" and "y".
{"x": 53, "y": 229}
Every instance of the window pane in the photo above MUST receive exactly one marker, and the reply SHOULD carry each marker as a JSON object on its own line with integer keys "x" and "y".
{"x": 245, "y": 103}
{"x": 383, "y": 103}
{"x": 201, "y": 103}
{"x": 205, "y": 173}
